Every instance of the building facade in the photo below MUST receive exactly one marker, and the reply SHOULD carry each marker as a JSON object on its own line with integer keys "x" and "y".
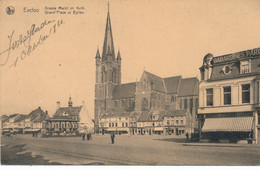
{"x": 69, "y": 121}
{"x": 143, "y": 102}
{"x": 229, "y": 96}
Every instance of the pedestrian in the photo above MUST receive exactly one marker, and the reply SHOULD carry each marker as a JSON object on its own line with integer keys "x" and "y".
{"x": 187, "y": 137}
{"x": 36, "y": 134}
{"x": 83, "y": 136}
{"x": 112, "y": 137}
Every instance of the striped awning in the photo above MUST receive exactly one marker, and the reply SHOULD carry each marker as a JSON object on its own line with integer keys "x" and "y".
{"x": 230, "y": 124}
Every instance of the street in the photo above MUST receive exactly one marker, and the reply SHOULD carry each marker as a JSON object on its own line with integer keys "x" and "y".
{"x": 128, "y": 150}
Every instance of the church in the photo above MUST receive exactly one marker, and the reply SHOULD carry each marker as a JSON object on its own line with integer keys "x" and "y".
{"x": 141, "y": 107}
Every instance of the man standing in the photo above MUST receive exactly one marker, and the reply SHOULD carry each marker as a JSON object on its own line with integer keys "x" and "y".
{"x": 187, "y": 137}
{"x": 112, "y": 137}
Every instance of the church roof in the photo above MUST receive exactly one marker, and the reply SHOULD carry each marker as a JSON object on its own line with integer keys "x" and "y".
{"x": 108, "y": 46}
{"x": 172, "y": 84}
{"x": 124, "y": 91}
{"x": 64, "y": 112}
{"x": 157, "y": 82}
{"x": 188, "y": 87}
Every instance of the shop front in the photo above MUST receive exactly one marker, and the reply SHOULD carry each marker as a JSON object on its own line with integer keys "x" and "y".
{"x": 229, "y": 129}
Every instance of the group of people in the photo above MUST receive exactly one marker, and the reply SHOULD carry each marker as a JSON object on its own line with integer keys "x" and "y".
{"x": 88, "y": 136}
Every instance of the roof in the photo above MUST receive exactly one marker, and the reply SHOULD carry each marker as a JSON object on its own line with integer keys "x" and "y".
{"x": 172, "y": 84}
{"x": 170, "y": 113}
{"x": 144, "y": 117}
{"x": 13, "y": 115}
{"x": 135, "y": 114}
{"x": 157, "y": 82}
{"x": 116, "y": 114}
{"x": 21, "y": 118}
{"x": 147, "y": 116}
{"x": 108, "y": 46}
{"x": 4, "y": 118}
{"x": 188, "y": 87}
{"x": 124, "y": 91}
{"x": 70, "y": 111}
{"x": 37, "y": 115}
{"x": 232, "y": 61}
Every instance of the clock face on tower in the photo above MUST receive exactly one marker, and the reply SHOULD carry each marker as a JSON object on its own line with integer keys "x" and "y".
{"x": 226, "y": 69}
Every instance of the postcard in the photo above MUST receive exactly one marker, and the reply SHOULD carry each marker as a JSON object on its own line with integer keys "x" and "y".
{"x": 128, "y": 82}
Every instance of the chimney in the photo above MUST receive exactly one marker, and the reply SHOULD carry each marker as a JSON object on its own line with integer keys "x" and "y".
{"x": 46, "y": 112}
{"x": 39, "y": 107}
{"x": 58, "y": 105}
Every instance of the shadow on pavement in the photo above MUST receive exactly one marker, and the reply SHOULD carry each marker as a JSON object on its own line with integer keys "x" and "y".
{"x": 176, "y": 140}
{"x": 9, "y": 156}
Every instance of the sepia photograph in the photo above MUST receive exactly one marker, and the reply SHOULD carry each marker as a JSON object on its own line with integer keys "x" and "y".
{"x": 130, "y": 82}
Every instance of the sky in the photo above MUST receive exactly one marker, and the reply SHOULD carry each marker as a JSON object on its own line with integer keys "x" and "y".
{"x": 166, "y": 38}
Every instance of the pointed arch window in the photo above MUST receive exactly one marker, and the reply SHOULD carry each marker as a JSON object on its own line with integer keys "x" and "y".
{"x": 144, "y": 104}
{"x": 172, "y": 99}
{"x": 114, "y": 74}
{"x": 103, "y": 75}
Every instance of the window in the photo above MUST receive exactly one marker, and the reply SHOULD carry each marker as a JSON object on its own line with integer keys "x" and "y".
{"x": 227, "y": 95}
{"x": 181, "y": 122}
{"x": 112, "y": 124}
{"x": 177, "y": 122}
{"x": 120, "y": 118}
{"x": 123, "y": 124}
{"x": 180, "y": 103}
{"x": 123, "y": 103}
{"x": 168, "y": 122}
{"x": 209, "y": 93}
{"x": 115, "y": 103}
{"x": 116, "y": 124}
{"x": 257, "y": 92}
{"x": 191, "y": 105}
{"x": 244, "y": 67}
{"x": 144, "y": 104}
{"x": 126, "y": 124}
{"x": 172, "y": 99}
{"x": 185, "y": 104}
{"x": 246, "y": 93}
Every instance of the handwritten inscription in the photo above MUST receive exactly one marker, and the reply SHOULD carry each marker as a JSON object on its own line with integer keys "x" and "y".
{"x": 243, "y": 54}
{"x": 26, "y": 43}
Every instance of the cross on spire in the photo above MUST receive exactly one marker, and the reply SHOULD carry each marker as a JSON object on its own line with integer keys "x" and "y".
{"x": 108, "y": 6}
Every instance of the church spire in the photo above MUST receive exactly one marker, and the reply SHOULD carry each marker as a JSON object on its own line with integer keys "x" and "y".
{"x": 108, "y": 46}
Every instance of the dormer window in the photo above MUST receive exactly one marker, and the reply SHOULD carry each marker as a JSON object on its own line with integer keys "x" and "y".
{"x": 65, "y": 114}
{"x": 245, "y": 67}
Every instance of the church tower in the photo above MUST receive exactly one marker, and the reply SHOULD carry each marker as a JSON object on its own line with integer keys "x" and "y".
{"x": 108, "y": 74}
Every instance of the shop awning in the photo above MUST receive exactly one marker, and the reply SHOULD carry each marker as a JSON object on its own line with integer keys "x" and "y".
{"x": 230, "y": 124}
{"x": 31, "y": 130}
{"x": 158, "y": 129}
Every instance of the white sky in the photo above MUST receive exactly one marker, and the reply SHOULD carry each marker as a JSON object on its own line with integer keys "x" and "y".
{"x": 167, "y": 38}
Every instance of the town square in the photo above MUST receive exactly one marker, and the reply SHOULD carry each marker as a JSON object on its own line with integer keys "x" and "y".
{"x": 92, "y": 97}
